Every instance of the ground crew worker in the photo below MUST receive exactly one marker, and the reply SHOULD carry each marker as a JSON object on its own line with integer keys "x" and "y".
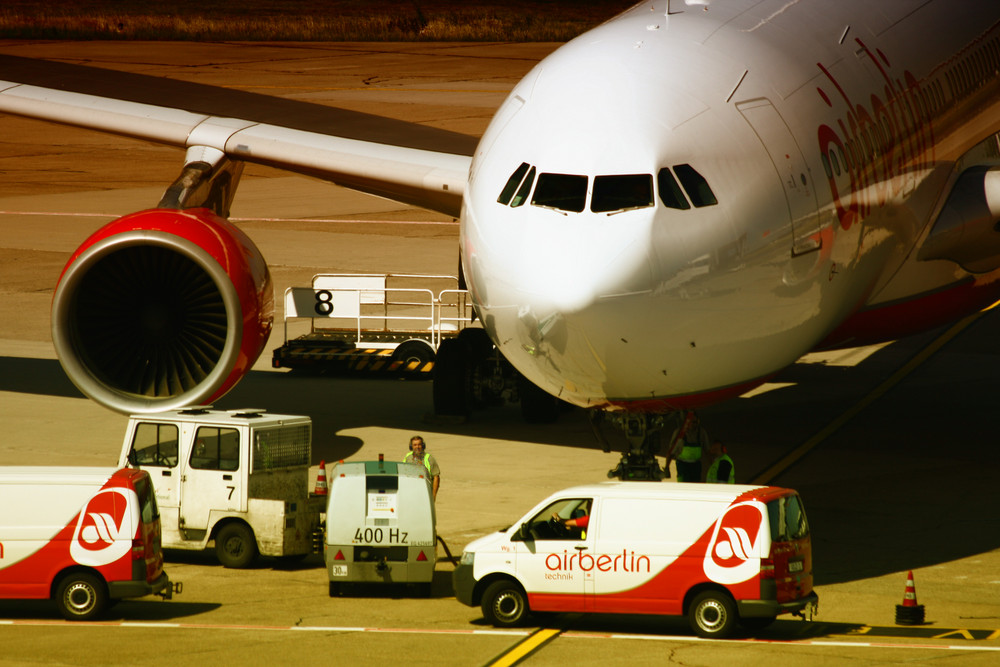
{"x": 722, "y": 470}
{"x": 686, "y": 446}
{"x": 418, "y": 454}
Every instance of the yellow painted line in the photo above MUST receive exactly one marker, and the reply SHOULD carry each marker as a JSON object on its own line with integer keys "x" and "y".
{"x": 524, "y": 648}
{"x": 793, "y": 456}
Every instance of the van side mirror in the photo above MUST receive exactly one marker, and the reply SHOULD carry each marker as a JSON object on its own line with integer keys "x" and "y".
{"x": 523, "y": 533}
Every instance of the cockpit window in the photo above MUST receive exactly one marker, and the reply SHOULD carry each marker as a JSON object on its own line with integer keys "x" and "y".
{"x": 621, "y": 193}
{"x": 524, "y": 190}
{"x": 565, "y": 192}
{"x": 512, "y": 183}
{"x": 695, "y": 186}
{"x": 670, "y": 192}
{"x": 679, "y": 187}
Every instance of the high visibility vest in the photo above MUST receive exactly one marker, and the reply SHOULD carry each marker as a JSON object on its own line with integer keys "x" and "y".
{"x": 691, "y": 451}
{"x": 713, "y": 470}
{"x": 410, "y": 458}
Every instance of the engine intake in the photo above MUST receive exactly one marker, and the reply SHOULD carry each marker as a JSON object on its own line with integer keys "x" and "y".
{"x": 162, "y": 309}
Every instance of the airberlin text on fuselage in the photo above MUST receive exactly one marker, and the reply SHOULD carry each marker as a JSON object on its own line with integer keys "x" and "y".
{"x": 626, "y": 561}
{"x": 884, "y": 144}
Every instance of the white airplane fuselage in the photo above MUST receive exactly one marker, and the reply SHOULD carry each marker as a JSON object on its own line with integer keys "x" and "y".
{"x": 775, "y": 168}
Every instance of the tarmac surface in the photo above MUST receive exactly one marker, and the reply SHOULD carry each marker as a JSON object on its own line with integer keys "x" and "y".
{"x": 900, "y": 473}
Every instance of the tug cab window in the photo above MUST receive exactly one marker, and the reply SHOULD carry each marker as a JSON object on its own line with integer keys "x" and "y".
{"x": 216, "y": 449}
{"x": 154, "y": 445}
{"x": 563, "y": 192}
{"x": 621, "y": 193}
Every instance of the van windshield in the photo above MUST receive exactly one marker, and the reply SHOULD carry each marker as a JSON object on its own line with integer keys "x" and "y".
{"x": 788, "y": 520}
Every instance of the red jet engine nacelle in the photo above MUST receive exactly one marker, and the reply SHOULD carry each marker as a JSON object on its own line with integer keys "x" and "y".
{"x": 161, "y": 310}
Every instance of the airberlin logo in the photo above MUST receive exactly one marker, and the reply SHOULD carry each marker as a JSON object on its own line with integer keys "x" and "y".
{"x": 737, "y": 543}
{"x": 104, "y": 530}
{"x": 882, "y": 141}
{"x": 626, "y": 561}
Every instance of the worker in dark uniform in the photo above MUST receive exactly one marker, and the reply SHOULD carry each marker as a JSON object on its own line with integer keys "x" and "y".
{"x": 686, "y": 447}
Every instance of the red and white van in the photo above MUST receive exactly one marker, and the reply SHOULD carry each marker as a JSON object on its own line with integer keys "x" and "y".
{"x": 81, "y": 536}
{"x": 721, "y": 554}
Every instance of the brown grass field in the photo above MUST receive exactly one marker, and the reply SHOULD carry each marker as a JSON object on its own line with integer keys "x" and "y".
{"x": 304, "y": 20}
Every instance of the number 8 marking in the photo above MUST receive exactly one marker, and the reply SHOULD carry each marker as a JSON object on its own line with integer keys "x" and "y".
{"x": 324, "y": 302}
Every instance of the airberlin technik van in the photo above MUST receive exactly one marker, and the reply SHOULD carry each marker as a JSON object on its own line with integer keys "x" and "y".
{"x": 84, "y": 537}
{"x": 719, "y": 554}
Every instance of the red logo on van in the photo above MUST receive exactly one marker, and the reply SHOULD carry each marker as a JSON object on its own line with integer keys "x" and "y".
{"x": 105, "y": 528}
{"x": 737, "y": 544}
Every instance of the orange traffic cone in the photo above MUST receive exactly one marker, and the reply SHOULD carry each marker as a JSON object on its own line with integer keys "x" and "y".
{"x": 909, "y": 613}
{"x": 321, "y": 479}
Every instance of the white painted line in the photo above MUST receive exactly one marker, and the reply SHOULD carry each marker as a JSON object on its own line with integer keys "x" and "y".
{"x": 686, "y": 639}
{"x": 793, "y": 642}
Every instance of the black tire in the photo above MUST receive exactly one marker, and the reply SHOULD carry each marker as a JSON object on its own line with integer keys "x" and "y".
{"x": 335, "y": 589}
{"x": 451, "y": 396}
{"x": 235, "y": 545}
{"x": 480, "y": 369}
{"x": 477, "y": 342}
{"x": 414, "y": 350}
{"x": 537, "y": 405}
{"x": 712, "y": 615}
{"x": 81, "y": 596}
{"x": 755, "y": 623}
{"x": 505, "y": 604}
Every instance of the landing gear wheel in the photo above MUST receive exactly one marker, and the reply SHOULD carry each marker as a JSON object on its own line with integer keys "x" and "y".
{"x": 505, "y": 604}
{"x": 537, "y": 405}
{"x": 712, "y": 615}
{"x": 81, "y": 597}
{"x": 481, "y": 374}
{"x": 235, "y": 545}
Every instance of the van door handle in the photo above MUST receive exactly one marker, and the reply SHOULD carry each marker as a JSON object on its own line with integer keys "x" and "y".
{"x": 227, "y": 477}
{"x": 166, "y": 473}
{"x": 581, "y": 547}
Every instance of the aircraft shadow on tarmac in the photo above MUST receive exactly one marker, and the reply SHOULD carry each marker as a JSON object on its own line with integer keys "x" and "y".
{"x": 909, "y": 482}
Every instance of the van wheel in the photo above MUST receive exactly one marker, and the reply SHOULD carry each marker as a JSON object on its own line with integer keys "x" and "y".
{"x": 81, "y": 597}
{"x": 713, "y": 615}
{"x": 235, "y": 545}
{"x": 504, "y": 604}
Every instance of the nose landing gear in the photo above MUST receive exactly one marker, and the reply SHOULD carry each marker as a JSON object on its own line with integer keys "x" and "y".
{"x": 643, "y": 433}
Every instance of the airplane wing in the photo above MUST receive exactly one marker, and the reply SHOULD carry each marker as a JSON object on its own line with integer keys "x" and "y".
{"x": 406, "y": 162}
